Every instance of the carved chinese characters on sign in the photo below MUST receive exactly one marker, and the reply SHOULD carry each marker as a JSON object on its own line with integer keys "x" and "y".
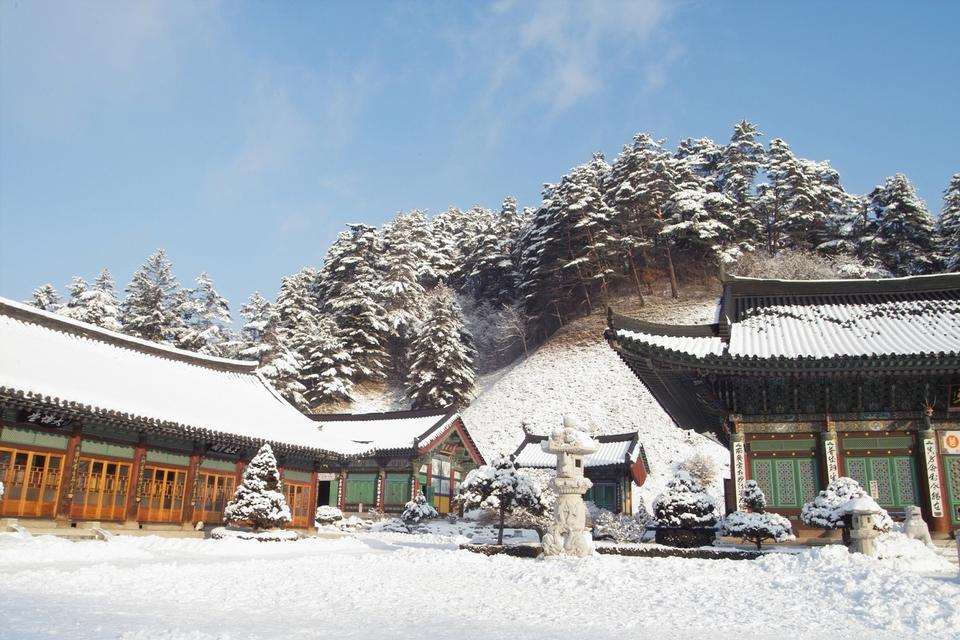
{"x": 933, "y": 476}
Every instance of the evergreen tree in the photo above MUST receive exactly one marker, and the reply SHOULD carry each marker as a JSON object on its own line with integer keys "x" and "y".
{"x": 101, "y": 305}
{"x": 400, "y": 289}
{"x": 152, "y": 307}
{"x": 258, "y": 501}
{"x": 441, "y": 369}
{"x": 740, "y": 161}
{"x": 350, "y": 285}
{"x": 256, "y": 314}
{"x": 206, "y": 316}
{"x": 500, "y": 486}
{"x": 327, "y": 367}
{"x": 826, "y": 510}
{"x": 699, "y": 225}
{"x": 539, "y": 256}
{"x": 46, "y": 297}
{"x": 903, "y": 240}
{"x": 277, "y": 363}
{"x": 753, "y": 497}
{"x": 948, "y": 225}
{"x": 756, "y": 525}
{"x": 685, "y": 504}
{"x": 703, "y": 155}
{"x": 75, "y": 307}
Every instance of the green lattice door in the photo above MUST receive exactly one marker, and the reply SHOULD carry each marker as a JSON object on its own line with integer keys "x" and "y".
{"x": 952, "y": 464}
{"x": 787, "y": 484}
{"x": 890, "y": 480}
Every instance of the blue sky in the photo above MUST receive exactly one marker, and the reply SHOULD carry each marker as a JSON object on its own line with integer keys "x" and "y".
{"x": 241, "y": 136}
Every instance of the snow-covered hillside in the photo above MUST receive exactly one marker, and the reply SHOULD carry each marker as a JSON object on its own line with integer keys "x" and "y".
{"x": 577, "y": 372}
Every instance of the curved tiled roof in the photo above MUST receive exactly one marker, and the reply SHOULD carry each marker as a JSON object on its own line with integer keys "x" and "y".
{"x": 52, "y": 361}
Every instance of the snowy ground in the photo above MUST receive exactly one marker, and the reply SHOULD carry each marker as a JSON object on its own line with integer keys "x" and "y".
{"x": 401, "y": 586}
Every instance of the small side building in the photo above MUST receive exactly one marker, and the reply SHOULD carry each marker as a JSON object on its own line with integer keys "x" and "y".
{"x": 614, "y": 468}
{"x": 408, "y": 451}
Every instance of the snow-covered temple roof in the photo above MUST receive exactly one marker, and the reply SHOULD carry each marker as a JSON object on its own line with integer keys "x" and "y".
{"x": 622, "y": 448}
{"x": 819, "y": 319}
{"x": 774, "y": 328}
{"x": 395, "y": 430}
{"x": 47, "y": 360}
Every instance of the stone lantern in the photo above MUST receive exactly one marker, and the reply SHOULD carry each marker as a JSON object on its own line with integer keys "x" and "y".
{"x": 567, "y": 534}
{"x": 863, "y": 514}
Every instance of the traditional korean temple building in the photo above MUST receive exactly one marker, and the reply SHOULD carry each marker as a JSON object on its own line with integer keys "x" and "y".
{"x": 614, "y": 468}
{"x": 434, "y": 446}
{"x": 96, "y": 426}
{"x": 806, "y": 381}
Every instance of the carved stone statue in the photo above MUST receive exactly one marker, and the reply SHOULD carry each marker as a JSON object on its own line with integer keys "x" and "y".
{"x": 567, "y": 534}
{"x": 915, "y": 527}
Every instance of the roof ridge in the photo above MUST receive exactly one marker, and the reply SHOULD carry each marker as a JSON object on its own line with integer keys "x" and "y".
{"x": 381, "y": 415}
{"x": 64, "y": 324}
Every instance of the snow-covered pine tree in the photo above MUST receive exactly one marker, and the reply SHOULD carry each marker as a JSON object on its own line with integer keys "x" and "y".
{"x": 903, "y": 242}
{"x": 493, "y": 274}
{"x": 76, "y": 307}
{"x": 417, "y": 510}
{"x": 699, "y": 226}
{"x": 400, "y": 289}
{"x": 786, "y": 201}
{"x": 740, "y": 161}
{"x": 948, "y": 226}
{"x": 327, "y": 369}
{"x": 685, "y": 504}
{"x": 258, "y": 501}
{"x": 151, "y": 308}
{"x": 206, "y": 318}
{"x": 101, "y": 305}
{"x": 703, "y": 155}
{"x": 350, "y": 286}
{"x": 46, "y": 297}
{"x": 826, "y": 509}
{"x": 499, "y": 486}
{"x": 753, "y": 497}
{"x": 442, "y": 372}
{"x": 539, "y": 258}
{"x": 256, "y": 314}
{"x": 278, "y": 363}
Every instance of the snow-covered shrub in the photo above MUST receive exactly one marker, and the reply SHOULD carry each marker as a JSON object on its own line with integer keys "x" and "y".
{"x": 827, "y": 511}
{"x": 701, "y": 468}
{"x": 500, "y": 487}
{"x": 753, "y": 497}
{"x": 258, "y": 501}
{"x": 685, "y": 504}
{"x": 327, "y": 515}
{"x": 353, "y": 523}
{"x": 795, "y": 264}
{"x": 418, "y": 509}
{"x": 541, "y": 518}
{"x": 270, "y": 535}
{"x": 756, "y": 525}
{"x": 619, "y": 527}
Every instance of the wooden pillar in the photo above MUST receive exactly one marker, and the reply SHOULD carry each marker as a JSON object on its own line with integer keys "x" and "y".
{"x": 238, "y": 473}
{"x": 314, "y": 490}
{"x": 933, "y": 481}
{"x": 190, "y": 487}
{"x": 829, "y": 455}
{"x": 381, "y": 487}
{"x": 68, "y": 481}
{"x": 135, "y": 488}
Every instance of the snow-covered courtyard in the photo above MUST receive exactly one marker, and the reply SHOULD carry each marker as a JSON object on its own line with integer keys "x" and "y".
{"x": 382, "y": 585}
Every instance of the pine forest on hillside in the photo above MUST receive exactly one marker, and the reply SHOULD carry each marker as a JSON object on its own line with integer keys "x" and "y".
{"x": 428, "y": 302}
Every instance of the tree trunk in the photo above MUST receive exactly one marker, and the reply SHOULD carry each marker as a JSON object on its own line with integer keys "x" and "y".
{"x": 503, "y": 515}
{"x": 636, "y": 277}
{"x": 673, "y": 275}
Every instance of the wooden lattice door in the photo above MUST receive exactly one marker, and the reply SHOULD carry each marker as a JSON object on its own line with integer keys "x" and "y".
{"x": 31, "y": 481}
{"x": 101, "y": 489}
{"x": 163, "y": 495}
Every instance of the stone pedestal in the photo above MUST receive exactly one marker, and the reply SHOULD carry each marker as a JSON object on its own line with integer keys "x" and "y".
{"x": 863, "y": 534}
{"x": 567, "y": 535}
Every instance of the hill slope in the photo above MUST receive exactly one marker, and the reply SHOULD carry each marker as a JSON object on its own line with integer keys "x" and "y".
{"x": 577, "y": 372}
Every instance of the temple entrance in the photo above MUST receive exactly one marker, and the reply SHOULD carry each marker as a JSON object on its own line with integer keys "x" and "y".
{"x": 31, "y": 481}
{"x": 163, "y": 495}
{"x": 952, "y": 464}
{"x": 890, "y": 480}
{"x": 213, "y": 493}
{"x": 101, "y": 490}
{"x": 297, "y": 495}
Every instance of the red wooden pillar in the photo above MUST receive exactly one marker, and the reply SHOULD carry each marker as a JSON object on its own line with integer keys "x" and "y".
{"x": 238, "y": 474}
{"x": 314, "y": 481}
{"x": 190, "y": 487}
{"x": 136, "y": 481}
{"x": 68, "y": 480}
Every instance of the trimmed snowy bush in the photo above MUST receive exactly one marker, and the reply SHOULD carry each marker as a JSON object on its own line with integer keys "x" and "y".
{"x": 418, "y": 509}
{"x": 685, "y": 504}
{"x": 271, "y": 535}
{"x": 619, "y": 527}
{"x": 258, "y": 501}
{"x": 500, "y": 487}
{"x": 327, "y": 515}
{"x": 826, "y": 511}
{"x": 701, "y": 468}
{"x": 756, "y": 525}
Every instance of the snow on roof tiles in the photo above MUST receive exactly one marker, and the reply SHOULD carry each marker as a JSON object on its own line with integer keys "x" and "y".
{"x": 694, "y": 345}
{"x": 615, "y": 452}
{"x": 384, "y": 432}
{"x": 71, "y": 363}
